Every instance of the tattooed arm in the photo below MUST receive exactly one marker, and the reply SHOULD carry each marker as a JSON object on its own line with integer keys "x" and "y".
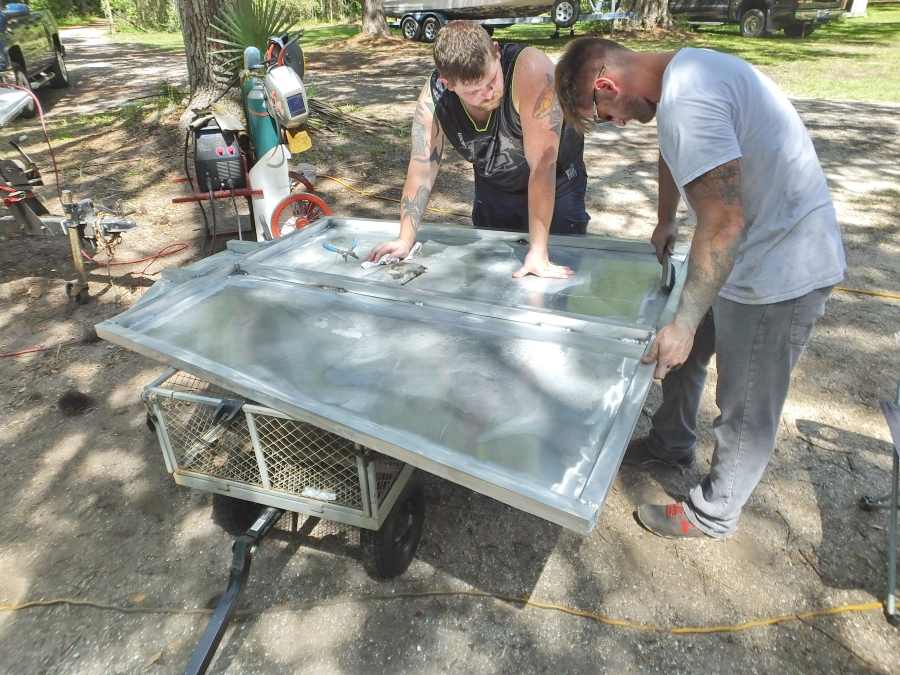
{"x": 424, "y": 163}
{"x": 541, "y": 116}
{"x": 716, "y": 199}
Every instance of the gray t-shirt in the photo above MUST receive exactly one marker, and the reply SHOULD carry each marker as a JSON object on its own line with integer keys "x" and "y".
{"x": 715, "y": 108}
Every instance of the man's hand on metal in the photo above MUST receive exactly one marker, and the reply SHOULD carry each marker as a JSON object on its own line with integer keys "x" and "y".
{"x": 670, "y": 348}
{"x": 663, "y": 239}
{"x": 537, "y": 262}
{"x": 398, "y": 247}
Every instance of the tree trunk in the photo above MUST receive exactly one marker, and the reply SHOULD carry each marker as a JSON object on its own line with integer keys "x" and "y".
{"x": 373, "y": 22}
{"x": 196, "y": 16}
{"x": 107, "y": 12}
{"x": 650, "y": 14}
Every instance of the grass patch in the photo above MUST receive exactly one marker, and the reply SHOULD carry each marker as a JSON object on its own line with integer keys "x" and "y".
{"x": 318, "y": 36}
{"x": 851, "y": 59}
{"x": 77, "y": 20}
{"x": 173, "y": 42}
{"x": 132, "y": 116}
{"x": 314, "y": 36}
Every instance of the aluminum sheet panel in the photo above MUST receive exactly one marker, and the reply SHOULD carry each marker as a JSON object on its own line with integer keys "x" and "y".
{"x": 616, "y": 280}
{"x": 523, "y": 390}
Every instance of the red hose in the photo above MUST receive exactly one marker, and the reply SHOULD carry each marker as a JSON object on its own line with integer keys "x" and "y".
{"x": 163, "y": 252}
{"x": 39, "y": 348}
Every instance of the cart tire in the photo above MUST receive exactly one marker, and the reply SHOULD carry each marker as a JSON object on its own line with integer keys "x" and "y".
{"x": 233, "y": 515}
{"x": 297, "y": 211}
{"x": 390, "y": 550}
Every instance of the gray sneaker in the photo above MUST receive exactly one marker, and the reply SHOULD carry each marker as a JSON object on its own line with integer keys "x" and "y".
{"x": 643, "y": 452}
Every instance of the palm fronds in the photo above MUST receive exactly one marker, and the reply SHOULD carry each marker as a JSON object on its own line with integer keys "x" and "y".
{"x": 242, "y": 24}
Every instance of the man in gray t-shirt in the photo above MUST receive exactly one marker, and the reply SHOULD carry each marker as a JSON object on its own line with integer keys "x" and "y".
{"x": 765, "y": 254}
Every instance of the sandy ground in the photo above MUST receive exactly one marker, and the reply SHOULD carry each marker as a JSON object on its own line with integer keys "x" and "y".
{"x": 88, "y": 511}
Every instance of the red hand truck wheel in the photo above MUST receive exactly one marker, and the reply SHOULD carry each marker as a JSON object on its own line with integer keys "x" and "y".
{"x": 296, "y": 211}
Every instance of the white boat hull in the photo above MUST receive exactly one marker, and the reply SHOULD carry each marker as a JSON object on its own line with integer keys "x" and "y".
{"x": 468, "y": 9}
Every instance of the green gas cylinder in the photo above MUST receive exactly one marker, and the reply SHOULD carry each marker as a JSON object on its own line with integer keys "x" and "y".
{"x": 260, "y": 124}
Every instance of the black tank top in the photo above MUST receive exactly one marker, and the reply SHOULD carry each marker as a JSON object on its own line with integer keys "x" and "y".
{"x": 497, "y": 153}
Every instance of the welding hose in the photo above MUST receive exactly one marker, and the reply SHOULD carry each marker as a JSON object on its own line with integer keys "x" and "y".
{"x": 164, "y": 252}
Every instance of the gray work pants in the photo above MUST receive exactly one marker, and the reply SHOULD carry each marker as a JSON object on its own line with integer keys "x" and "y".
{"x": 756, "y": 348}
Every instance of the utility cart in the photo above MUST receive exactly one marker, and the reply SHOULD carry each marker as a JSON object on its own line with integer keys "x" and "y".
{"x": 304, "y": 381}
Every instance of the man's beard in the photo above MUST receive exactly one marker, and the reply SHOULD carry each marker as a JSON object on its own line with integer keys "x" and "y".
{"x": 643, "y": 110}
{"x": 491, "y": 105}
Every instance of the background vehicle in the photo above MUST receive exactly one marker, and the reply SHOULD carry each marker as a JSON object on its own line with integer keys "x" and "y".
{"x": 422, "y": 19}
{"x": 756, "y": 17}
{"x": 31, "y": 53}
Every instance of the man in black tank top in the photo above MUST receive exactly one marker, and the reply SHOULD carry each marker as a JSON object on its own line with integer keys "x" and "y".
{"x": 497, "y": 106}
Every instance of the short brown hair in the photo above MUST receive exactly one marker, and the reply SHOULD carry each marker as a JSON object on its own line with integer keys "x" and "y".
{"x": 462, "y": 51}
{"x": 575, "y": 72}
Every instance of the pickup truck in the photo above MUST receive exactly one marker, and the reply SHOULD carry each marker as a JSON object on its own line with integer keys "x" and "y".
{"x": 31, "y": 53}
{"x": 797, "y": 18}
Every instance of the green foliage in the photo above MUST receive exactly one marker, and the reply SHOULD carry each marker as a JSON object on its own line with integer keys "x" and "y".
{"x": 173, "y": 42}
{"x": 245, "y": 23}
{"x": 141, "y": 15}
{"x": 323, "y": 11}
{"x": 65, "y": 8}
{"x": 162, "y": 15}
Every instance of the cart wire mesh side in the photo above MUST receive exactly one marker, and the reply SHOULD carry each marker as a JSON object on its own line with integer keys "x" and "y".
{"x": 231, "y": 443}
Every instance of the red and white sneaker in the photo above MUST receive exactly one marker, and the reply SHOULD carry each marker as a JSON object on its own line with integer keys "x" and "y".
{"x": 667, "y": 521}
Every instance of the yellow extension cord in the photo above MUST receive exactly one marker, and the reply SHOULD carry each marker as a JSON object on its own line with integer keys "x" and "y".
{"x": 445, "y": 212}
{"x": 527, "y": 602}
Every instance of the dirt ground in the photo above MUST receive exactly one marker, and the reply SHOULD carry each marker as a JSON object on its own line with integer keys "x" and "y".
{"x": 89, "y": 513}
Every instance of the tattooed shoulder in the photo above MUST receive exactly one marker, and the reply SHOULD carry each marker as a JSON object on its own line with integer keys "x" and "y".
{"x": 546, "y": 106}
{"x": 722, "y": 183}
